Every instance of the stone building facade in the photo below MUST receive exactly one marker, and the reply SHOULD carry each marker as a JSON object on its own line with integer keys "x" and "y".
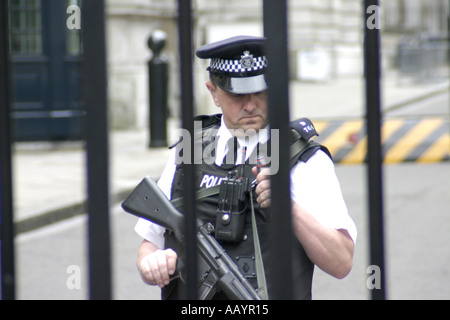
{"x": 325, "y": 42}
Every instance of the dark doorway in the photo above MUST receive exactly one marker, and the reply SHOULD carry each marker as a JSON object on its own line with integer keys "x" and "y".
{"x": 45, "y": 57}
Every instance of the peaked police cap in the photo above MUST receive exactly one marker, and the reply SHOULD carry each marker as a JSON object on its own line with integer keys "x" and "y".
{"x": 237, "y": 64}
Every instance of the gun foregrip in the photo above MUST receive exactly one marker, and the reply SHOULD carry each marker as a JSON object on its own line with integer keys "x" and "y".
{"x": 149, "y": 202}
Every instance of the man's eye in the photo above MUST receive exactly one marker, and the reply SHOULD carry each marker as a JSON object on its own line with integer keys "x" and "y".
{"x": 261, "y": 93}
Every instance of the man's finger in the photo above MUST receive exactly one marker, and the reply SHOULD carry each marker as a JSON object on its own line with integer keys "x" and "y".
{"x": 171, "y": 257}
{"x": 162, "y": 267}
{"x": 154, "y": 269}
{"x": 264, "y": 174}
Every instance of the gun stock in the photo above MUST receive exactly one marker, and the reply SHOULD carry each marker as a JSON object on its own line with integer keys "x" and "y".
{"x": 149, "y": 202}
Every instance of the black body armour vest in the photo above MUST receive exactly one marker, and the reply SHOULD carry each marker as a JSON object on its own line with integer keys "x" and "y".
{"x": 242, "y": 252}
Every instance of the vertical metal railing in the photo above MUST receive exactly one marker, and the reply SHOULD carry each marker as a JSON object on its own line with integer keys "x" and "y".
{"x": 7, "y": 258}
{"x": 94, "y": 94}
{"x": 372, "y": 69}
{"x": 276, "y": 31}
{"x": 187, "y": 112}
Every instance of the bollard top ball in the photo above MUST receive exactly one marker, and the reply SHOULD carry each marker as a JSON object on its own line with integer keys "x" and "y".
{"x": 157, "y": 41}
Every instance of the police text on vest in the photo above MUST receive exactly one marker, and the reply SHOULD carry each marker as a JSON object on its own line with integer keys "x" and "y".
{"x": 209, "y": 181}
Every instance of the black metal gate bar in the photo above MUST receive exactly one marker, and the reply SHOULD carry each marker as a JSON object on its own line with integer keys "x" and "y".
{"x": 7, "y": 267}
{"x": 372, "y": 68}
{"x": 275, "y": 29}
{"x": 94, "y": 84}
{"x": 187, "y": 112}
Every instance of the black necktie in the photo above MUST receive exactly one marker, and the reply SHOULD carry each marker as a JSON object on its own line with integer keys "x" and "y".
{"x": 230, "y": 157}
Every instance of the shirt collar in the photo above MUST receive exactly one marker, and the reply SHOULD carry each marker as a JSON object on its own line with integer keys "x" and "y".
{"x": 224, "y": 134}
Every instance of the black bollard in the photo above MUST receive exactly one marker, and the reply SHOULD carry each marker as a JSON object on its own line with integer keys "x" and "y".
{"x": 158, "y": 83}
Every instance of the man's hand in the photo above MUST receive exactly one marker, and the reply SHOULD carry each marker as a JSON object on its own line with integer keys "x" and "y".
{"x": 156, "y": 265}
{"x": 263, "y": 187}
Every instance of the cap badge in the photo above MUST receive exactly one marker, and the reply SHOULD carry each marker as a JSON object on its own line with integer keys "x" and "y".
{"x": 247, "y": 60}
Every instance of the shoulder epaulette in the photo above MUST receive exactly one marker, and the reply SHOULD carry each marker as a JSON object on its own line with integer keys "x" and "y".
{"x": 302, "y": 148}
{"x": 304, "y": 127}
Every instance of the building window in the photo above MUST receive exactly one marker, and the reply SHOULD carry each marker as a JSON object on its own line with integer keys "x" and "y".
{"x": 25, "y": 27}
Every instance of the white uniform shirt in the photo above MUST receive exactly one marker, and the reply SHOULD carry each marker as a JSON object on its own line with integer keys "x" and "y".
{"x": 314, "y": 186}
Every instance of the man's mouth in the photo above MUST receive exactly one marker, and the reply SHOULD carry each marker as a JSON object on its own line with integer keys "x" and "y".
{"x": 252, "y": 117}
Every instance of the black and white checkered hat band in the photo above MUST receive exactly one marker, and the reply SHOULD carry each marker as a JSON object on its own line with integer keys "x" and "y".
{"x": 235, "y": 66}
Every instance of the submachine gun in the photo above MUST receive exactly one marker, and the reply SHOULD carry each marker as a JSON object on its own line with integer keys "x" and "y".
{"x": 149, "y": 202}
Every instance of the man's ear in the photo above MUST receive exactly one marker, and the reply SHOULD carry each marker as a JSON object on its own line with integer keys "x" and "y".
{"x": 213, "y": 90}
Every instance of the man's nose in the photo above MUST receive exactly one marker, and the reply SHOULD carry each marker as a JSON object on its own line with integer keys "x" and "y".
{"x": 249, "y": 103}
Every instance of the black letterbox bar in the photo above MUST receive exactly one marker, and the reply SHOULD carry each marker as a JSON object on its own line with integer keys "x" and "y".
{"x": 187, "y": 112}
{"x": 94, "y": 86}
{"x": 372, "y": 70}
{"x": 7, "y": 258}
{"x": 276, "y": 31}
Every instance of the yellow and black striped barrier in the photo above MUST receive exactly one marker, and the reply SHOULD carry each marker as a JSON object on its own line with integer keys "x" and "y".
{"x": 403, "y": 139}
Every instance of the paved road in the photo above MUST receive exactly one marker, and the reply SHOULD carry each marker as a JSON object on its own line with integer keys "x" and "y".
{"x": 51, "y": 258}
{"x": 417, "y": 199}
{"x": 437, "y": 105}
{"x": 417, "y": 202}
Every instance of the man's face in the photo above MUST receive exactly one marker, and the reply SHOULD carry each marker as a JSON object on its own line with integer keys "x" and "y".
{"x": 241, "y": 111}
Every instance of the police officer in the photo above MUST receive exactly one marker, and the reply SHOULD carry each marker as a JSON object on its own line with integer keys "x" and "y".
{"x": 325, "y": 232}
